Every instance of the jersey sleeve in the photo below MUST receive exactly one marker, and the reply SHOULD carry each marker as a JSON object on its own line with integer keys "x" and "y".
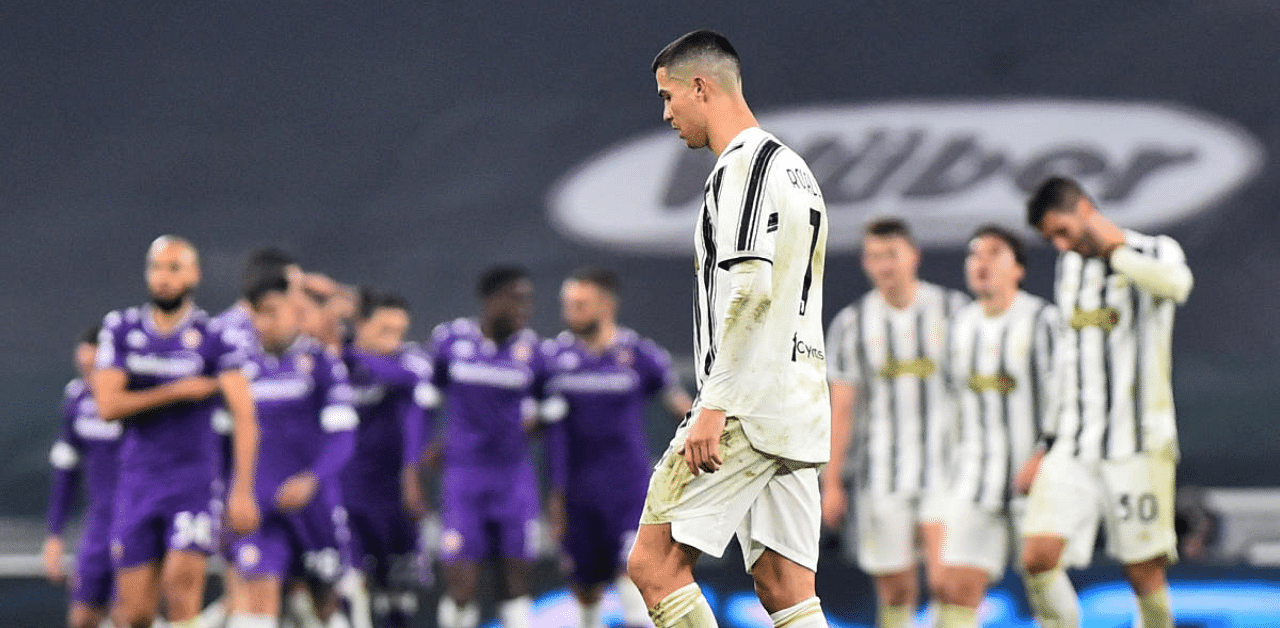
{"x": 842, "y": 339}
{"x": 656, "y": 371}
{"x": 338, "y": 417}
{"x": 228, "y": 347}
{"x": 64, "y": 457}
{"x": 438, "y": 356}
{"x": 750, "y": 191}
{"x": 1044, "y": 362}
{"x": 111, "y": 347}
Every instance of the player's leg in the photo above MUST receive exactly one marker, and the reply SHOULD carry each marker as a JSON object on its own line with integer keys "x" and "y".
{"x": 931, "y": 533}
{"x": 80, "y": 615}
{"x": 94, "y": 579}
{"x": 662, "y": 570}
{"x": 260, "y": 562}
{"x": 592, "y": 550}
{"x": 182, "y": 582}
{"x": 463, "y": 544}
{"x": 259, "y": 602}
{"x": 518, "y": 534}
{"x": 1062, "y": 509}
{"x": 137, "y": 595}
{"x": 886, "y": 531}
{"x": 974, "y": 554}
{"x": 458, "y": 607}
{"x": 356, "y": 585}
{"x": 779, "y": 537}
{"x": 1140, "y": 529}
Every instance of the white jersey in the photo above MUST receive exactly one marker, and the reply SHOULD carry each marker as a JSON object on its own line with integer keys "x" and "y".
{"x": 905, "y": 415}
{"x": 1002, "y": 374}
{"x": 762, "y": 203}
{"x": 1115, "y": 354}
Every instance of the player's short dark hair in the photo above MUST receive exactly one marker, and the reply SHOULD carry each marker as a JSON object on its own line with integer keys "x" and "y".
{"x": 263, "y": 286}
{"x": 263, "y": 263}
{"x": 702, "y": 41}
{"x": 1010, "y": 238}
{"x": 372, "y": 300}
{"x": 1054, "y": 194}
{"x": 889, "y": 227}
{"x": 599, "y": 277}
{"x": 90, "y": 335}
{"x": 495, "y": 278}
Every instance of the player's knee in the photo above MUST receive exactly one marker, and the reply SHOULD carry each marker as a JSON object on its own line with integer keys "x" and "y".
{"x": 962, "y": 591}
{"x": 81, "y": 616}
{"x": 1037, "y": 559}
{"x": 134, "y": 617}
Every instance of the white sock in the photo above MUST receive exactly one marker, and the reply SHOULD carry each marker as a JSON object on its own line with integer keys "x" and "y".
{"x": 589, "y": 615}
{"x": 893, "y": 616}
{"x": 806, "y": 614}
{"x": 337, "y": 620}
{"x": 302, "y": 609}
{"x": 684, "y": 608}
{"x": 957, "y": 616}
{"x": 1153, "y": 609}
{"x": 635, "y": 613}
{"x": 516, "y": 612}
{"x": 215, "y": 614}
{"x": 1053, "y": 600}
{"x": 247, "y": 620}
{"x": 354, "y": 589}
{"x": 194, "y": 622}
{"x": 450, "y": 615}
{"x": 405, "y": 601}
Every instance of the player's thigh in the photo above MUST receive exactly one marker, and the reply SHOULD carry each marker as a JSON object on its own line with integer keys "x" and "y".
{"x": 1140, "y": 495}
{"x": 515, "y": 514}
{"x": 321, "y": 536}
{"x": 138, "y": 589}
{"x": 886, "y": 530}
{"x": 589, "y": 542}
{"x": 94, "y": 576}
{"x": 785, "y": 518}
{"x": 260, "y": 595}
{"x": 1065, "y": 503}
{"x": 462, "y": 517}
{"x": 976, "y": 538}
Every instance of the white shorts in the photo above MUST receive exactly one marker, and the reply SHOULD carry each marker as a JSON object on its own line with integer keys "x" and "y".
{"x": 977, "y": 537}
{"x": 887, "y": 529}
{"x": 769, "y": 502}
{"x": 1133, "y": 497}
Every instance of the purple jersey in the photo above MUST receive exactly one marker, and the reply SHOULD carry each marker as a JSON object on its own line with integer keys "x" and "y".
{"x": 485, "y": 386}
{"x": 236, "y": 324}
{"x": 602, "y": 436}
{"x": 176, "y": 437}
{"x": 86, "y": 446}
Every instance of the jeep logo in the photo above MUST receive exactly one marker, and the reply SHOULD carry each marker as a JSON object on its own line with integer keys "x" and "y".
{"x": 944, "y": 166}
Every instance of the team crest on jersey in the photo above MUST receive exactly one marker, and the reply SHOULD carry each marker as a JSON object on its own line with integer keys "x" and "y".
{"x": 304, "y": 363}
{"x": 117, "y": 549}
{"x": 624, "y": 357}
{"x": 191, "y": 338}
{"x": 450, "y": 543}
{"x": 248, "y": 556}
{"x": 568, "y": 361}
{"x": 522, "y": 352}
{"x": 250, "y": 370}
{"x": 464, "y": 349}
{"x": 136, "y": 338}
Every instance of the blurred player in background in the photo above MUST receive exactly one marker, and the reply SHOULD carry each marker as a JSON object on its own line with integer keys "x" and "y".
{"x": 1001, "y": 369}
{"x": 393, "y": 393}
{"x": 598, "y": 455}
{"x": 158, "y": 367}
{"x": 485, "y": 369}
{"x": 303, "y": 401}
{"x": 87, "y": 447}
{"x": 889, "y": 399}
{"x": 746, "y": 461}
{"x": 1117, "y": 440}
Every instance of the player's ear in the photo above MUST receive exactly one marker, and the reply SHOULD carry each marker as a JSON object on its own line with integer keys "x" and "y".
{"x": 699, "y": 87}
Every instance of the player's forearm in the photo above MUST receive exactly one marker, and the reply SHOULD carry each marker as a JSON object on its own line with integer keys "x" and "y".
{"x": 338, "y": 449}
{"x": 750, "y": 297}
{"x": 1169, "y": 279}
{"x": 842, "y": 402}
{"x": 61, "y": 491}
{"x": 244, "y": 431}
{"x": 677, "y": 401}
{"x": 120, "y": 404}
{"x": 413, "y": 423}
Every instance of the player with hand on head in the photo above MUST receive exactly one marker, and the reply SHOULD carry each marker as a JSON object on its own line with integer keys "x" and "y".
{"x": 1117, "y": 445}
{"x": 158, "y": 367}
{"x": 890, "y": 401}
{"x": 747, "y": 459}
{"x": 597, "y": 451}
{"x": 88, "y": 448}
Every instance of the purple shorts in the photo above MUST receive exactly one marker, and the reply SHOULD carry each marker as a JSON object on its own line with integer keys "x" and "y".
{"x": 599, "y": 533}
{"x": 309, "y": 543}
{"x": 384, "y": 539}
{"x": 158, "y": 514}
{"x": 488, "y": 512}
{"x": 94, "y": 581}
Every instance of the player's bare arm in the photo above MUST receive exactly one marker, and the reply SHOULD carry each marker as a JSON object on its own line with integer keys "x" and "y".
{"x": 116, "y": 402}
{"x": 677, "y": 402}
{"x": 242, "y": 510}
{"x": 835, "y": 501}
{"x": 297, "y": 491}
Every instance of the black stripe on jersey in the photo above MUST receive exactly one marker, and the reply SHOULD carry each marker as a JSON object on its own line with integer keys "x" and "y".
{"x": 1037, "y": 419}
{"x": 890, "y": 383}
{"x": 731, "y": 149}
{"x": 1106, "y": 364}
{"x": 922, "y": 352}
{"x": 708, "y": 282}
{"x": 980, "y": 396}
{"x": 728, "y": 263}
{"x": 1084, "y": 268}
{"x": 1002, "y": 368}
{"x": 716, "y": 183}
{"x": 751, "y": 201}
{"x": 860, "y": 348}
{"x": 1139, "y": 343}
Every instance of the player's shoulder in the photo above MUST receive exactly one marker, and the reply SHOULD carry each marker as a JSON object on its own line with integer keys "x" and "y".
{"x": 458, "y": 327}
{"x": 1159, "y": 245}
{"x": 122, "y": 318}
{"x": 414, "y": 358}
{"x": 75, "y": 388}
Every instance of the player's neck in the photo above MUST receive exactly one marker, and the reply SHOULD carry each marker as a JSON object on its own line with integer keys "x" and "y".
{"x": 165, "y": 322}
{"x": 997, "y": 303}
{"x": 603, "y": 337}
{"x": 734, "y": 118}
{"x": 900, "y": 297}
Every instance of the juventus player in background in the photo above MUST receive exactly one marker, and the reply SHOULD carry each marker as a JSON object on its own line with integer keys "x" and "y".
{"x": 1118, "y": 442}
{"x": 747, "y": 458}
{"x": 1001, "y": 369}
{"x": 889, "y": 399}
{"x": 158, "y": 367}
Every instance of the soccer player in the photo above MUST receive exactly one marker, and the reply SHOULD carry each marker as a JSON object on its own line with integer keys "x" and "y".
{"x": 158, "y": 367}
{"x": 303, "y": 401}
{"x": 1001, "y": 365}
{"x": 747, "y": 459}
{"x": 393, "y": 393}
{"x": 1117, "y": 439}
{"x": 485, "y": 369}
{"x": 87, "y": 446}
{"x": 889, "y": 391}
{"x": 598, "y": 459}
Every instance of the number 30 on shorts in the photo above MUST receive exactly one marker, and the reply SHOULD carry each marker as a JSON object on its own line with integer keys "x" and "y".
{"x": 1144, "y": 506}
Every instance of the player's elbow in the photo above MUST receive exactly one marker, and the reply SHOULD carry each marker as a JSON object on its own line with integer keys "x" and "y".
{"x": 1182, "y": 282}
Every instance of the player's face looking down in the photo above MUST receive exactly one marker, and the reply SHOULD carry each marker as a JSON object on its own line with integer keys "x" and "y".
{"x": 1069, "y": 229}
{"x": 278, "y": 320}
{"x": 383, "y": 332}
{"x": 682, "y": 106}
{"x": 990, "y": 267}
{"x": 584, "y": 306}
{"x": 172, "y": 273}
{"x": 507, "y": 310}
{"x": 889, "y": 261}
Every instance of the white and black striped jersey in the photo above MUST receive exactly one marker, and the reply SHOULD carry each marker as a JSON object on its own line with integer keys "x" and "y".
{"x": 1115, "y": 354}
{"x": 1002, "y": 374}
{"x": 905, "y": 416}
{"x": 762, "y": 203}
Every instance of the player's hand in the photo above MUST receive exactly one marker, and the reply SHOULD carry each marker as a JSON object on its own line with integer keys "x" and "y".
{"x": 835, "y": 502}
{"x": 411, "y": 493}
{"x": 51, "y": 555}
{"x": 196, "y": 388}
{"x": 297, "y": 491}
{"x": 701, "y": 448}
{"x": 1027, "y": 474}
{"x": 556, "y": 517}
{"x": 243, "y": 515}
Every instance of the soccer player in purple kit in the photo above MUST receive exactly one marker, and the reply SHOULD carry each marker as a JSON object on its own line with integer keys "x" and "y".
{"x": 485, "y": 370}
{"x": 158, "y": 367}
{"x": 393, "y": 393}
{"x": 598, "y": 455}
{"x": 307, "y": 422}
{"x": 86, "y": 447}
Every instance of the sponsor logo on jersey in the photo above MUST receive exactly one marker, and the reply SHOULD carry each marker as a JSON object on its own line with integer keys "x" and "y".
{"x": 304, "y": 363}
{"x": 1106, "y": 318}
{"x": 944, "y": 166}
{"x": 915, "y": 367}
{"x": 1002, "y": 383}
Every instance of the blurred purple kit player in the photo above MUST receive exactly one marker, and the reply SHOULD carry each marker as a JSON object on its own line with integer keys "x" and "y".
{"x": 307, "y": 424}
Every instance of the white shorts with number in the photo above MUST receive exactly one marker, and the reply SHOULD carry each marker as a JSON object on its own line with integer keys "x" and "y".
{"x": 769, "y": 502}
{"x": 1133, "y": 497}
